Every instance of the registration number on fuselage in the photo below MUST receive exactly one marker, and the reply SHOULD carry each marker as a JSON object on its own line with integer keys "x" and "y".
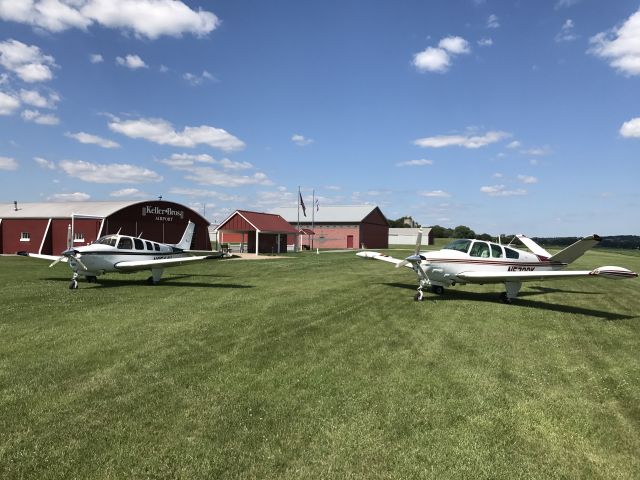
{"x": 521, "y": 269}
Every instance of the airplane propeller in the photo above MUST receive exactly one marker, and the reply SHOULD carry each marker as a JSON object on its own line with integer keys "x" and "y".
{"x": 416, "y": 257}
{"x": 70, "y": 254}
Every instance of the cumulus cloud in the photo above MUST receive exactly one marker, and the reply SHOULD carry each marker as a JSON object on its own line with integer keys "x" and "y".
{"x": 8, "y": 104}
{"x": 108, "y": 173}
{"x": 567, "y": 33}
{"x": 69, "y": 197}
{"x": 631, "y": 129}
{"x": 620, "y": 46}
{"x": 26, "y": 61}
{"x": 96, "y": 58}
{"x": 40, "y": 118}
{"x": 198, "y": 79}
{"x": 128, "y": 193}
{"x": 185, "y": 160}
{"x": 211, "y": 176}
{"x": 415, "y": 163}
{"x": 435, "y": 193}
{"x": 527, "y": 179}
{"x": 36, "y": 99}
{"x": 501, "y": 191}
{"x": 485, "y": 42}
{"x": 438, "y": 59}
{"x": 301, "y": 140}
{"x": 466, "y": 141}
{"x": 88, "y": 138}
{"x": 8, "y": 163}
{"x": 204, "y": 193}
{"x": 537, "y": 151}
{"x": 44, "y": 163}
{"x": 162, "y": 132}
{"x": 492, "y": 21}
{"x": 145, "y": 18}
{"x": 132, "y": 62}
{"x": 565, "y": 3}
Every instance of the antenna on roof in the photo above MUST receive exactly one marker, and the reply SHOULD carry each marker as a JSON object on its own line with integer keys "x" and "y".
{"x": 159, "y": 197}
{"x": 15, "y": 205}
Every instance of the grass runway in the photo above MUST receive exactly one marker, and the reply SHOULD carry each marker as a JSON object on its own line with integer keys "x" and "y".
{"x": 320, "y": 366}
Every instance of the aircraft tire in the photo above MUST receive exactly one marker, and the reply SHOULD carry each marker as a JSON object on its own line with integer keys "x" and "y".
{"x": 418, "y": 297}
{"x": 73, "y": 285}
{"x": 505, "y": 299}
{"x": 150, "y": 281}
{"x": 437, "y": 289}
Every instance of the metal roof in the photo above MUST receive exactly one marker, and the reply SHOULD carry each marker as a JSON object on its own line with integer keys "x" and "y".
{"x": 327, "y": 213}
{"x": 262, "y": 222}
{"x": 62, "y": 209}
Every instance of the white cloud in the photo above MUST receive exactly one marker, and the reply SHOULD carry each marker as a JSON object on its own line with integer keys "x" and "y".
{"x": 8, "y": 163}
{"x": 195, "y": 79}
{"x": 301, "y": 141}
{"x": 128, "y": 193}
{"x": 455, "y": 45}
{"x": 527, "y": 179}
{"x": 26, "y": 61}
{"x": 108, "y": 173}
{"x": 514, "y": 144}
{"x": 501, "y": 191}
{"x": 69, "y": 197}
{"x": 44, "y": 163}
{"x": 145, "y": 18}
{"x": 185, "y": 160}
{"x": 200, "y": 192}
{"x": 132, "y": 62}
{"x": 35, "y": 99}
{"x": 466, "y": 141}
{"x": 87, "y": 138}
{"x": 96, "y": 58}
{"x": 537, "y": 151}
{"x": 485, "y": 42}
{"x": 492, "y": 21}
{"x": 8, "y": 104}
{"x": 621, "y": 46}
{"x": 435, "y": 193}
{"x": 566, "y": 3}
{"x": 631, "y": 129}
{"x": 162, "y": 132}
{"x": 432, "y": 60}
{"x": 210, "y": 176}
{"x": 415, "y": 163}
{"x": 40, "y": 118}
{"x": 567, "y": 33}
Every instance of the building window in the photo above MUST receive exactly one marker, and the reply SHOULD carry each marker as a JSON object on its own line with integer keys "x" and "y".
{"x": 78, "y": 237}
{"x": 25, "y": 237}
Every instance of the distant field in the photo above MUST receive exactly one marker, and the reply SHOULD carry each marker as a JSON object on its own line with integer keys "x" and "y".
{"x": 317, "y": 366}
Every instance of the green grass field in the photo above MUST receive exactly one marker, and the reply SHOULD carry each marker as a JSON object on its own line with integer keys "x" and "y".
{"x": 320, "y": 366}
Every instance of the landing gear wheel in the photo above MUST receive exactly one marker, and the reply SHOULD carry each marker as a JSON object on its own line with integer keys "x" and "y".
{"x": 437, "y": 289}
{"x": 505, "y": 299}
{"x": 150, "y": 281}
{"x": 418, "y": 296}
{"x": 92, "y": 279}
{"x": 73, "y": 285}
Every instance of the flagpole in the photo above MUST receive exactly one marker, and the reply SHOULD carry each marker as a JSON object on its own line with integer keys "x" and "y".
{"x": 298, "y": 229}
{"x": 313, "y": 215}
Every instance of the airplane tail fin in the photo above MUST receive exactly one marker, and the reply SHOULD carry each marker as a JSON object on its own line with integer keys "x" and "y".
{"x": 185, "y": 242}
{"x": 576, "y": 250}
{"x": 533, "y": 246}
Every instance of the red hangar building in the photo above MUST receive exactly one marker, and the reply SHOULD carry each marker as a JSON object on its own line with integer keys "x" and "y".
{"x": 339, "y": 226}
{"x": 44, "y": 227}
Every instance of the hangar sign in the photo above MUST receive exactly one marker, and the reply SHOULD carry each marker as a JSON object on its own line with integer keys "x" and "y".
{"x": 162, "y": 214}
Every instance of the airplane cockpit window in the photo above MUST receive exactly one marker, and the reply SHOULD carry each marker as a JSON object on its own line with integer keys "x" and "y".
{"x": 511, "y": 253}
{"x": 107, "y": 241}
{"x": 125, "y": 243}
{"x": 458, "y": 245}
{"x": 149, "y": 245}
{"x": 156, "y": 247}
{"x": 480, "y": 249}
{"x": 496, "y": 251}
{"x": 139, "y": 244}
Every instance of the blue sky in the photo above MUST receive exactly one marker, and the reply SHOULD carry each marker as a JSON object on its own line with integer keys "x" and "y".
{"x": 508, "y": 117}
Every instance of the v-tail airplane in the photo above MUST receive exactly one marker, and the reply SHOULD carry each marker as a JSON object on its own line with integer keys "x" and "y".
{"x": 125, "y": 254}
{"x": 477, "y": 261}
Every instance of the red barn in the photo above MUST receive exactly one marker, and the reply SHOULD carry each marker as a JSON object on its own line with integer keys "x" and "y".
{"x": 341, "y": 226}
{"x": 43, "y": 227}
{"x": 262, "y": 232}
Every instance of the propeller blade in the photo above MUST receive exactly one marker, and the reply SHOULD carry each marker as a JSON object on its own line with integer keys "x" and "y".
{"x": 55, "y": 262}
{"x": 402, "y": 263}
{"x": 77, "y": 259}
{"x": 410, "y": 259}
{"x": 418, "y": 242}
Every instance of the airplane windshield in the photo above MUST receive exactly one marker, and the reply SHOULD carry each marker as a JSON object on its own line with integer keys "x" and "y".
{"x": 110, "y": 240}
{"x": 458, "y": 245}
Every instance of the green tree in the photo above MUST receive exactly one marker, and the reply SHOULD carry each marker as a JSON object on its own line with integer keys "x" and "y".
{"x": 462, "y": 231}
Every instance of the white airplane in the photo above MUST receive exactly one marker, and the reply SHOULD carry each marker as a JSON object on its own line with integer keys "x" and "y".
{"x": 477, "y": 261}
{"x": 125, "y": 254}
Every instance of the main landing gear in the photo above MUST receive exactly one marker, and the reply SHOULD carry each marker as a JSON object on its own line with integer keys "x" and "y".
{"x": 437, "y": 289}
{"x": 74, "y": 282}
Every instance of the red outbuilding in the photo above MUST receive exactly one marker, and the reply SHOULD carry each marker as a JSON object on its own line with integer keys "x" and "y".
{"x": 44, "y": 227}
{"x": 260, "y": 232}
{"x": 341, "y": 226}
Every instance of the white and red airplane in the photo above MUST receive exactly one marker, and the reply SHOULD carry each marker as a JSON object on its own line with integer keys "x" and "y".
{"x": 125, "y": 254}
{"x": 480, "y": 262}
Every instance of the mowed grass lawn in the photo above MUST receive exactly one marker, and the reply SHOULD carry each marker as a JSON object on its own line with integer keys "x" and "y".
{"x": 320, "y": 366}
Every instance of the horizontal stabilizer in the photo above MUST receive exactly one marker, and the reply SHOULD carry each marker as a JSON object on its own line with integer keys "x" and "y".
{"x": 575, "y": 250}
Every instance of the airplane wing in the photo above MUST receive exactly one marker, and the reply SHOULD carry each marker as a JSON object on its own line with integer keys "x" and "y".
{"x": 51, "y": 258}
{"x": 380, "y": 256}
{"x": 134, "y": 265}
{"x": 500, "y": 277}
